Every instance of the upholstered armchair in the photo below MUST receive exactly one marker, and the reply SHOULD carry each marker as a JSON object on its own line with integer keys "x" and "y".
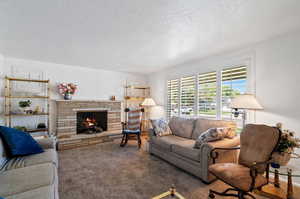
{"x": 132, "y": 126}
{"x": 257, "y": 145}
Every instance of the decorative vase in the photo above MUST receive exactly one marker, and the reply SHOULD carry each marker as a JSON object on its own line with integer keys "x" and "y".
{"x": 281, "y": 158}
{"x": 67, "y": 96}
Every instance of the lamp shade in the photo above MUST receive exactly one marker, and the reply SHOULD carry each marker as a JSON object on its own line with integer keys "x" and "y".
{"x": 246, "y": 101}
{"x": 157, "y": 112}
{"x": 148, "y": 102}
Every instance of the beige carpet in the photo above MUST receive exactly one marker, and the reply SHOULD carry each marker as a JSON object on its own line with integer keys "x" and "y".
{"x": 106, "y": 171}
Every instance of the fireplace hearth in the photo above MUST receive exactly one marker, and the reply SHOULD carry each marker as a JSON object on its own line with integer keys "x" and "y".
{"x": 90, "y": 122}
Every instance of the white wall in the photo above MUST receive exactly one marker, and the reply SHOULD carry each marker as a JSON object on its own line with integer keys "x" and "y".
{"x": 92, "y": 83}
{"x": 275, "y": 78}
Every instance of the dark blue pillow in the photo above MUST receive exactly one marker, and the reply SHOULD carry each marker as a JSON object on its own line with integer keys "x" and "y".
{"x": 18, "y": 142}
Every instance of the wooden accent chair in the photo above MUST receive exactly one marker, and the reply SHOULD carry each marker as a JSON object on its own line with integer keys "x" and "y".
{"x": 257, "y": 145}
{"x": 132, "y": 126}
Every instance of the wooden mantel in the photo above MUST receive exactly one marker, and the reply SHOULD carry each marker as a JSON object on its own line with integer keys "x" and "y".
{"x": 88, "y": 100}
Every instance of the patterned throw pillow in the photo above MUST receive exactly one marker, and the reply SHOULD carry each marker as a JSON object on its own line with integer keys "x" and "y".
{"x": 214, "y": 134}
{"x": 161, "y": 127}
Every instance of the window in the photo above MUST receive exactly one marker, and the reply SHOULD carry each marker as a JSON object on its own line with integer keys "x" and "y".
{"x": 233, "y": 84}
{"x": 187, "y": 95}
{"x": 173, "y": 98}
{"x": 207, "y": 93}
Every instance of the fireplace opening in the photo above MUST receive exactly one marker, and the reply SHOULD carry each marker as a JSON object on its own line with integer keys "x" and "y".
{"x": 91, "y": 122}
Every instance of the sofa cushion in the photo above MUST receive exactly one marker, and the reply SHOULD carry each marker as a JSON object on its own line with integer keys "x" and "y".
{"x": 45, "y": 192}
{"x": 202, "y": 125}
{"x": 187, "y": 150}
{"x": 182, "y": 127}
{"x": 3, "y": 157}
{"x": 20, "y": 180}
{"x": 47, "y": 143}
{"x": 49, "y": 156}
{"x": 19, "y": 143}
{"x": 165, "y": 142}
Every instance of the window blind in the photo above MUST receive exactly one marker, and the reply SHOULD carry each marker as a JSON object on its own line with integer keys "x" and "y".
{"x": 207, "y": 93}
{"x": 173, "y": 98}
{"x": 233, "y": 84}
{"x": 187, "y": 95}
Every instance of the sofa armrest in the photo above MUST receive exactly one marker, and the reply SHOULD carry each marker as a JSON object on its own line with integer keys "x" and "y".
{"x": 224, "y": 155}
{"x": 47, "y": 143}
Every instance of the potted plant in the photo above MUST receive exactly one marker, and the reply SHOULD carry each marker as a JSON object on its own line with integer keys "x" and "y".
{"x": 25, "y": 105}
{"x": 67, "y": 90}
{"x": 283, "y": 153}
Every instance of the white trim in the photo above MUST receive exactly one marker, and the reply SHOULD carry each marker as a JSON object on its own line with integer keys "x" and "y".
{"x": 250, "y": 87}
{"x": 219, "y": 95}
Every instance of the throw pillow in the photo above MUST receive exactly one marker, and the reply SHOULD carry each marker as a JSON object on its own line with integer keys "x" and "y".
{"x": 161, "y": 127}
{"x": 214, "y": 134}
{"x": 18, "y": 142}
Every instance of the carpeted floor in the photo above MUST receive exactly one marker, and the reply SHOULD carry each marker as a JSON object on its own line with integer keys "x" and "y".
{"x": 106, "y": 171}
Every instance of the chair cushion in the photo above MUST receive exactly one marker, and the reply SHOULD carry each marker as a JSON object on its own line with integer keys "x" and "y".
{"x": 45, "y": 192}
{"x": 182, "y": 127}
{"x": 165, "y": 142}
{"x": 236, "y": 175}
{"x": 19, "y": 143}
{"x": 49, "y": 156}
{"x": 20, "y": 180}
{"x": 202, "y": 125}
{"x": 187, "y": 150}
{"x": 131, "y": 131}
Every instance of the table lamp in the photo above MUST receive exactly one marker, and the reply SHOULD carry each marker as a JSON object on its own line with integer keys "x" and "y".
{"x": 244, "y": 102}
{"x": 148, "y": 102}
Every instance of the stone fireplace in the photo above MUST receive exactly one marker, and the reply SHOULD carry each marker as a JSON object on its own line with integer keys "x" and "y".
{"x": 85, "y": 122}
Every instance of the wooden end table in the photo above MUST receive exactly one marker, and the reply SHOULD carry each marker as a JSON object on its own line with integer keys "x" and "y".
{"x": 273, "y": 190}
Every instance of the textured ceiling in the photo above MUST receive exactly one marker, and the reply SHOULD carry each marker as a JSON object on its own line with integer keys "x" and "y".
{"x": 137, "y": 35}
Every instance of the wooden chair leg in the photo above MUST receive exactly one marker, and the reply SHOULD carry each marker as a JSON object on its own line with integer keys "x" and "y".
{"x": 139, "y": 140}
{"x": 126, "y": 139}
{"x": 122, "y": 142}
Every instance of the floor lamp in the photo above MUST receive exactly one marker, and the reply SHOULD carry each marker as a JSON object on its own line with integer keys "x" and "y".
{"x": 147, "y": 103}
{"x": 241, "y": 103}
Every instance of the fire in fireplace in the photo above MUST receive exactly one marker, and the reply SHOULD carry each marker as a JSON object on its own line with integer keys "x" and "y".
{"x": 91, "y": 122}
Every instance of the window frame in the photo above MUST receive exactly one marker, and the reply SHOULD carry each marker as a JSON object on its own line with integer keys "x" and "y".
{"x": 250, "y": 85}
{"x": 221, "y": 82}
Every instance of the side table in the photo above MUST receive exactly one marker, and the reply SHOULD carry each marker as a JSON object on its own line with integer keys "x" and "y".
{"x": 171, "y": 194}
{"x": 274, "y": 190}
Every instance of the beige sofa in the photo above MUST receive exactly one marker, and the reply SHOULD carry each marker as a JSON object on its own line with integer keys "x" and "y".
{"x": 30, "y": 177}
{"x": 178, "y": 148}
